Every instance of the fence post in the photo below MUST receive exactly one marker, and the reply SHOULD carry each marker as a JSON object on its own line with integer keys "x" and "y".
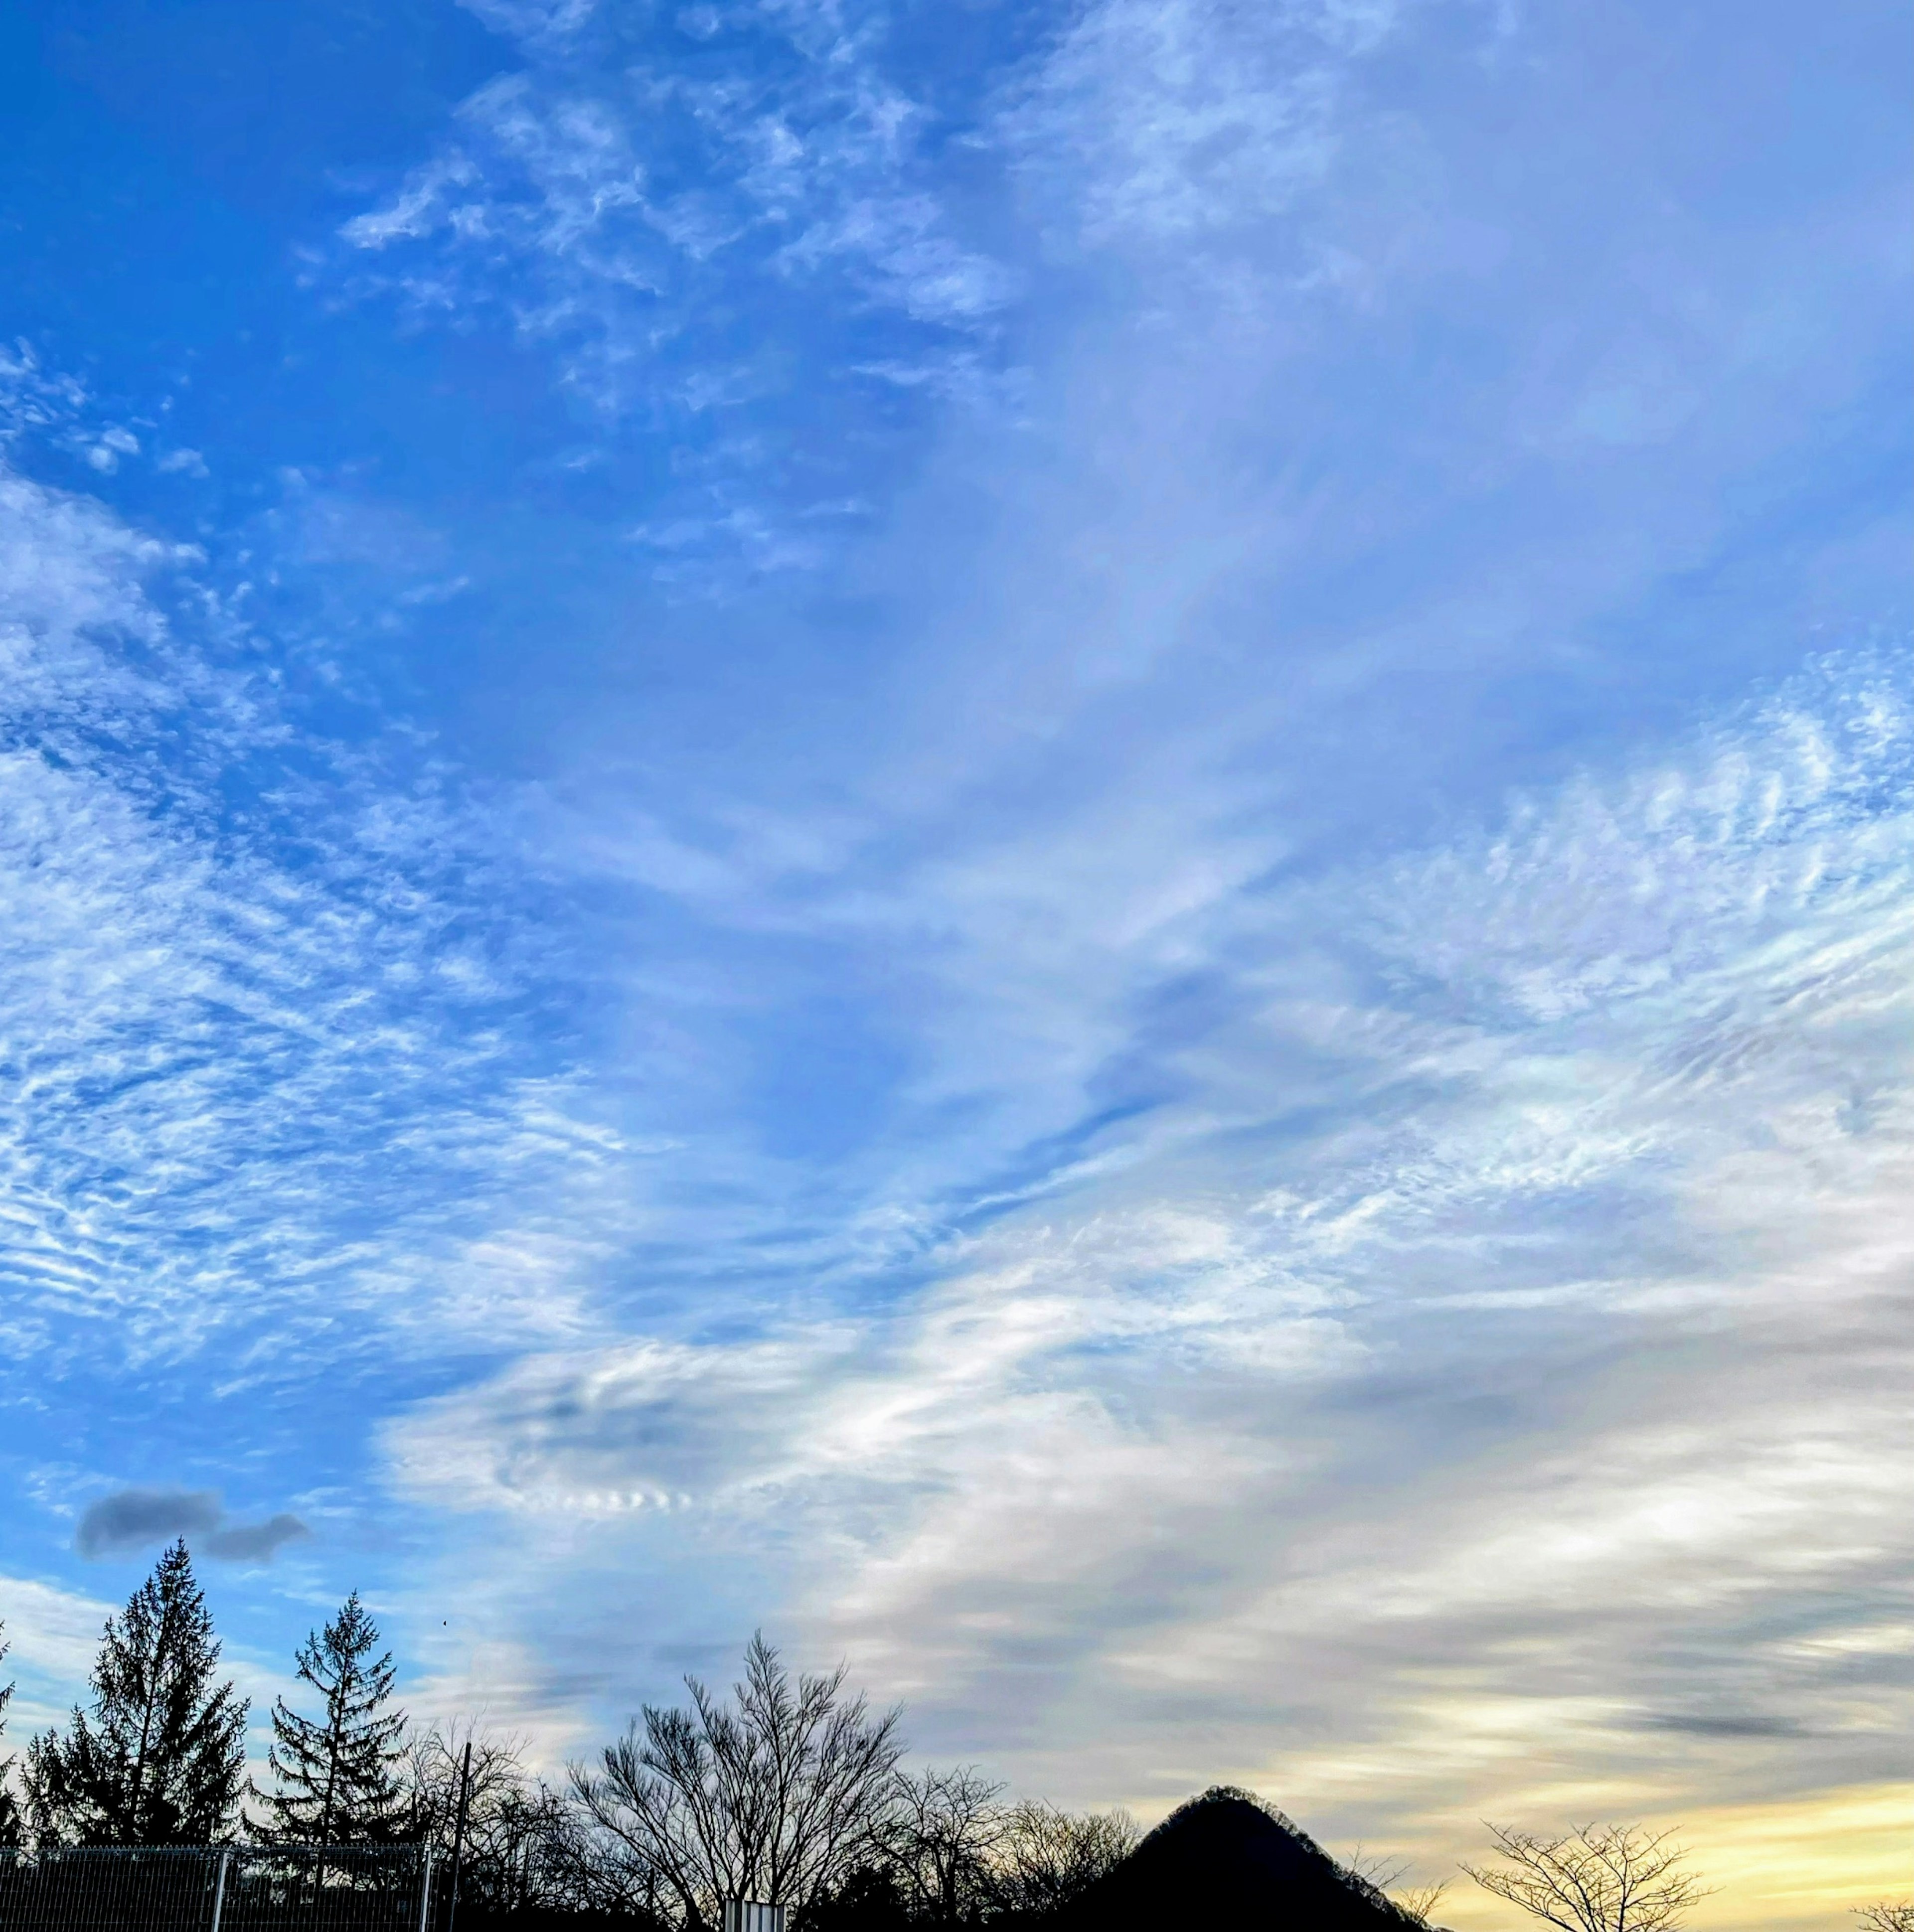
{"x": 219, "y": 1890}
{"x": 426, "y": 1893}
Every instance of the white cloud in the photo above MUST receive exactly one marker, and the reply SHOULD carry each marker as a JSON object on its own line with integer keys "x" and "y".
{"x": 52, "y": 1631}
{"x": 247, "y": 1005}
{"x": 705, "y": 249}
{"x": 533, "y": 19}
{"x": 1360, "y": 1263}
{"x": 1559, "y": 1347}
{"x": 1147, "y": 121}
{"x": 613, "y": 192}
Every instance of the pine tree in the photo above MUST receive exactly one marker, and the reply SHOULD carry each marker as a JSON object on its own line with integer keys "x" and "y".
{"x": 10, "y": 1809}
{"x": 337, "y": 1781}
{"x": 163, "y": 1759}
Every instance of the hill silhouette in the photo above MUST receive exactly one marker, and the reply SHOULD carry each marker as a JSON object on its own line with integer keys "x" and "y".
{"x": 1226, "y": 1858}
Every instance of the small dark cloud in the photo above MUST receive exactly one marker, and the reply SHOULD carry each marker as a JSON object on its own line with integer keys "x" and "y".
{"x": 130, "y": 1519}
{"x": 255, "y": 1542}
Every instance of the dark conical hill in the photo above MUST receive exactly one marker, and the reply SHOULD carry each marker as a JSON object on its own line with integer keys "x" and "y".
{"x": 1227, "y": 1860}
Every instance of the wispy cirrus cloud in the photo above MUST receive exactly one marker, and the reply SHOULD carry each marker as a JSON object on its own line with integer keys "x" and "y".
{"x": 251, "y": 999}
{"x": 1146, "y": 124}
{"x": 1264, "y": 1270}
{"x": 644, "y": 183}
{"x": 641, "y": 178}
{"x": 1421, "y": 1393}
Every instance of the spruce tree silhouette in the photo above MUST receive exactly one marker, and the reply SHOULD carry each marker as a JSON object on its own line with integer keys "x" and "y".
{"x": 336, "y": 1776}
{"x": 162, "y": 1759}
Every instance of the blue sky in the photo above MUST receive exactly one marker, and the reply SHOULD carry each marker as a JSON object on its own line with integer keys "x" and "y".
{"x": 1069, "y": 844}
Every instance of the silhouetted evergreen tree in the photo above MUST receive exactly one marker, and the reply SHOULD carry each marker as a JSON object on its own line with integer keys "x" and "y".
{"x": 163, "y": 1759}
{"x": 10, "y": 1809}
{"x": 337, "y": 1778}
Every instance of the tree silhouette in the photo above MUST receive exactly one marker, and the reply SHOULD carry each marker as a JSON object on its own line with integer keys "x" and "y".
{"x": 526, "y": 1850}
{"x": 777, "y": 1798}
{"x": 1048, "y": 1857}
{"x": 162, "y": 1761}
{"x": 336, "y": 1776}
{"x": 1605, "y": 1878}
{"x": 945, "y": 1826}
{"x": 1420, "y": 1901}
{"x": 10, "y": 1809}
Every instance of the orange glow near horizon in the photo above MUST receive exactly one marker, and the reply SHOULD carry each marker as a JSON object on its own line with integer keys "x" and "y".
{"x": 1805, "y": 1864}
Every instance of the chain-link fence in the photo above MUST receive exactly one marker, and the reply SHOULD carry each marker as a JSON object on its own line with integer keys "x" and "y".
{"x": 230, "y": 1889}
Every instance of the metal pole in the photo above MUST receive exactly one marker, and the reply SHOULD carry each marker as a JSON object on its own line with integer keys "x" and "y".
{"x": 219, "y": 1890}
{"x": 425, "y": 1892}
{"x": 458, "y": 1835}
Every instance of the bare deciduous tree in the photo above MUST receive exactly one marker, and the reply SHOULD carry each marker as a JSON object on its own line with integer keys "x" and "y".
{"x": 575, "y": 1865}
{"x": 1420, "y": 1901}
{"x": 944, "y": 1828}
{"x": 1048, "y": 1857}
{"x": 435, "y": 1765}
{"x": 1375, "y": 1868}
{"x": 1382, "y": 1876}
{"x": 515, "y": 1830}
{"x": 523, "y": 1845}
{"x": 1602, "y": 1878}
{"x": 1889, "y": 1916}
{"x": 777, "y": 1798}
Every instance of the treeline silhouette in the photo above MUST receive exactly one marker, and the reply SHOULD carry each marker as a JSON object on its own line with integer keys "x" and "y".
{"x": 792, "y": 1792}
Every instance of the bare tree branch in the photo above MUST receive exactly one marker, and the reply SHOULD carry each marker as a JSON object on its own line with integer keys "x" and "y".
{"x": 945, "y": 1827}
{"x": 775, "y": 1796}
{"x": 1609, "y": 1878}
{"x": 1048, "y": 1857}
{"x": 1420, "y": 1901}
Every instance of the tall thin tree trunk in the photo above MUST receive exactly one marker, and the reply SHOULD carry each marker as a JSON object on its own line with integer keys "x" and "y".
{"x": 146, "y": 1723}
